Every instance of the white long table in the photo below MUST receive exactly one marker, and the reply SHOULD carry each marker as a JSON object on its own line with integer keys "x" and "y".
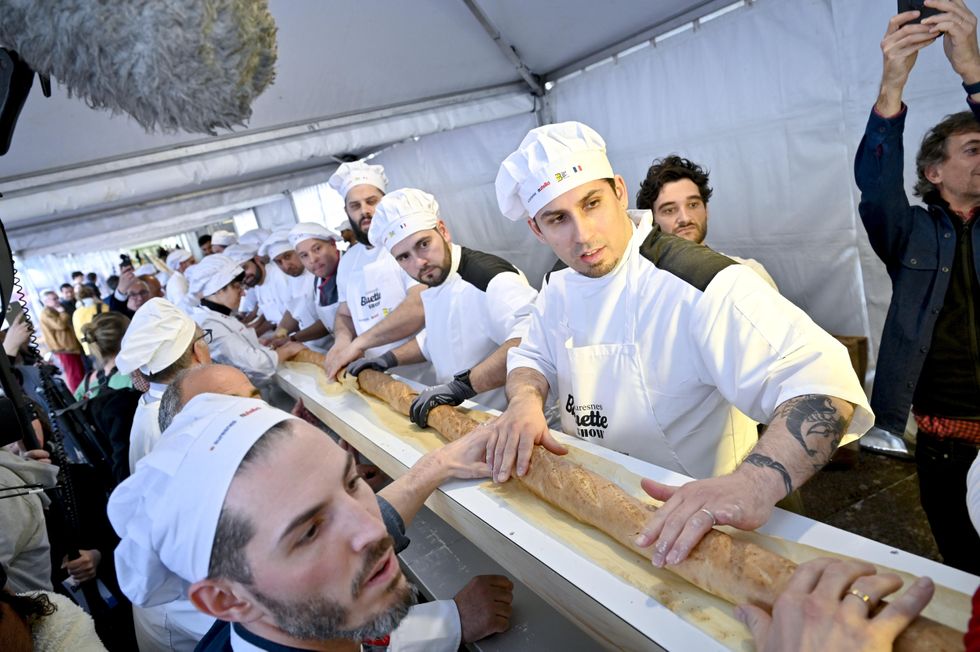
{"x": 613, "y": 612}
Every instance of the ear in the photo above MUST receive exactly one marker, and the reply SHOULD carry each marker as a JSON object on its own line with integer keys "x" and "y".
{"x": 223, "y": 600}
{"x": 535, "y": 230}
{"x": 934, "y": 175}
{"x": 621, "y": 194}
{"x": 444, "y": 232}
{"x": 201, "y": 353}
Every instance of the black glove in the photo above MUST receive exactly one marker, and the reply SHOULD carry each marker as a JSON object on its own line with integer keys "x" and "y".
{"x": 382, "y": 363}
{"x": 452, "y": 393}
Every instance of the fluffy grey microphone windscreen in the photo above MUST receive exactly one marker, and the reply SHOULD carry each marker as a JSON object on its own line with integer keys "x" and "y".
{"x": 192, "y": 65}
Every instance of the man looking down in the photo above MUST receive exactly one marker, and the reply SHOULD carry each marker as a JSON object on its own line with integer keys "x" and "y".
{"x": 476, "y": 305}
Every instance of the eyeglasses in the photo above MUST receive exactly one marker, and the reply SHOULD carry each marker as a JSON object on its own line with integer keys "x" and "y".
{"x": 207, "y": 336}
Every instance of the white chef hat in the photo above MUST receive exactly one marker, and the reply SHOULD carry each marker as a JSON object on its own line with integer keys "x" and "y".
{"x": 167, "y": 512}
{"x": 157, "y": 336}
{"x": 254, "y": 238}
{"x": 400, "y": 214}
{"x": 357, "y": 173}
{"x": 211, "y": 274}
{"x": 223, "y": 238}
{"x": 275, "y": 244}
{"x": 310, "y": 230}
{"x": 176, "y": 257}
{"x": 240, "y": 253}
{"x": 550, "y": 161}
{"x": 146, "y": 270}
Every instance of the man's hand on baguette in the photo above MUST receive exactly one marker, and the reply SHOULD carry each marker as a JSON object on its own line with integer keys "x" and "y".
{"x": 686, "y": 515}
{"x": 513, "y": 436}
{"x": 819, "y": 609}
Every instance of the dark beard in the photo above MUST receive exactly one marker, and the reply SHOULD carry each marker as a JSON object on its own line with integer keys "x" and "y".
{"x": 361, "y": 236}
{"x": 320, "y": 619}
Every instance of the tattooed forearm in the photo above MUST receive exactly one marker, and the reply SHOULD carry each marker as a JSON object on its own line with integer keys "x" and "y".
{"x": 766, "y": 462}
{"x": 813, "y": 418}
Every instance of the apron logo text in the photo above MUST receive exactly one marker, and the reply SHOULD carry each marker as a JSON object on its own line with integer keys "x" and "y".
{"x": 589, "y": 420}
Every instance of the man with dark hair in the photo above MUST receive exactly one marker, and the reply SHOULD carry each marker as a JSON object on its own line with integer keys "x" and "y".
{"x": 929, "y": 359}
{"x": 677, "y": 192}
{"x": 284, "y": 542}
{"x": 204, "y": 242}
{"x": 477, "y": 306}
{"x": 67, "y": 299}
{"x": 378, "y": 302}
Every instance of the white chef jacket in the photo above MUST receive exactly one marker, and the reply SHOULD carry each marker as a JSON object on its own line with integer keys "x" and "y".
{"x": 177, "y": 287}
{"x": 427, "y": 627}
{"x": 273, "y": 294}
{"x": 170, "y": 627}
{"x": 699, "y": 353}
{"x": 372, "y": 284}
{"x": 483, "y": 302}
{"x": 146, "y": 426}
{"x": 302, "y": 305}
{"x": 235, "y": 344}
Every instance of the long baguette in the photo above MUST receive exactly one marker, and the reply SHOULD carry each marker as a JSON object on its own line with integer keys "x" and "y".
{"x": 734, "y": 570}
{"x": 311, "y": 357}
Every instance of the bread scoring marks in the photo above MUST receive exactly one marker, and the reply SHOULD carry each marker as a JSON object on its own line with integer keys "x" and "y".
{"x": 590, "y": 422}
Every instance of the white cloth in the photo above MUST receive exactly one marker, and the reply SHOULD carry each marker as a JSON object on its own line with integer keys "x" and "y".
{"x": 176, "y": 257}
{"x": 310, "y": 231}
{"x": 240, "y": 253}
{"x": 276, "y": 244}
{"x": 166, "y": 513}
{"x": 697, "y": 356}
{"x": 249, "y": 302}
{"x": 973, "y": 493}
{"x": 428, "y": 627}
{"x": 357, "y": 173}
{"x": 372, "y": 284}
{"x": 272, "y": 295}
{"x": 302, "y": 304}
{"x": 223, "y": 238}
{"x": 172, "y": 627}
{"x": 145, "y": 432}
{"x": 68, "y": 629}
{"x": 400, "y": 214}
{"x": 24, "y": 547}
{"x": 254, "y": 238}
{"x": 148, "y": 269}
{"x": 464, "y": 324}
{"x": 235, "y": 344}
{"x": 756, "y": 267}
{"x": 177, "y": 288}
{"x": 157, "y": 336}
{"x": 550, "y": 161}
{"x": 212, "y": 274}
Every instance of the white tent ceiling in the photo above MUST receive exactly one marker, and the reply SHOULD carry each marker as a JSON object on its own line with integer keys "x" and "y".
{"x": 351, "y": 77}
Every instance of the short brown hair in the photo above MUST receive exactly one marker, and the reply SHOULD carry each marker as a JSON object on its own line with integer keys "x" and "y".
{"x": 933, "y": 148}
{"x": 104, "y": 333}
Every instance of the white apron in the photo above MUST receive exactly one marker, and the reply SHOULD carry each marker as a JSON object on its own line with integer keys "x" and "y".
{"x": 374, "y": 291}
{"x": 602, "y": 391}
{"x": 455, "y": 340}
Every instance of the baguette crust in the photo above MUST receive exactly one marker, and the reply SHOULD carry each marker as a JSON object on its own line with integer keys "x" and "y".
{"x": 737, "y": 571}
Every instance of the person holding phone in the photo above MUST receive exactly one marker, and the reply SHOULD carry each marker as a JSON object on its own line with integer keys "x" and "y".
{"x": 930, "y": 348}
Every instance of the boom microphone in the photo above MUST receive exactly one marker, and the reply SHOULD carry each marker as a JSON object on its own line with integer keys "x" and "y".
{"x": 191, "y": 65}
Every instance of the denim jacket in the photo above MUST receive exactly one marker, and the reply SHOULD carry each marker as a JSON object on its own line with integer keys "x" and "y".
{"x": 917, "y": 245}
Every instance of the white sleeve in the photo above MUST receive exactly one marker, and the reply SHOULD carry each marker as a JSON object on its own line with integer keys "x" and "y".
{"x": 256, "y": 361}
{"x": 760, "y": 350}
{"x": 428, "y": 627}
{"x": 535, "y": 350}
{"x": 422, "y": 340}
{"x": 510, "y": 299}
{"x": 973, "y": 493}
{"x": 250, "y": 301}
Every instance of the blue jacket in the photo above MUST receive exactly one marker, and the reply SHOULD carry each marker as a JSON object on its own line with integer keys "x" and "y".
{"x": 917, "y": 245}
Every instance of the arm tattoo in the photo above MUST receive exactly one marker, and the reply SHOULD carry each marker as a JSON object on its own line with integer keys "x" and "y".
{"x": 768, "y": 463}
{"x": 813, "y": 416}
